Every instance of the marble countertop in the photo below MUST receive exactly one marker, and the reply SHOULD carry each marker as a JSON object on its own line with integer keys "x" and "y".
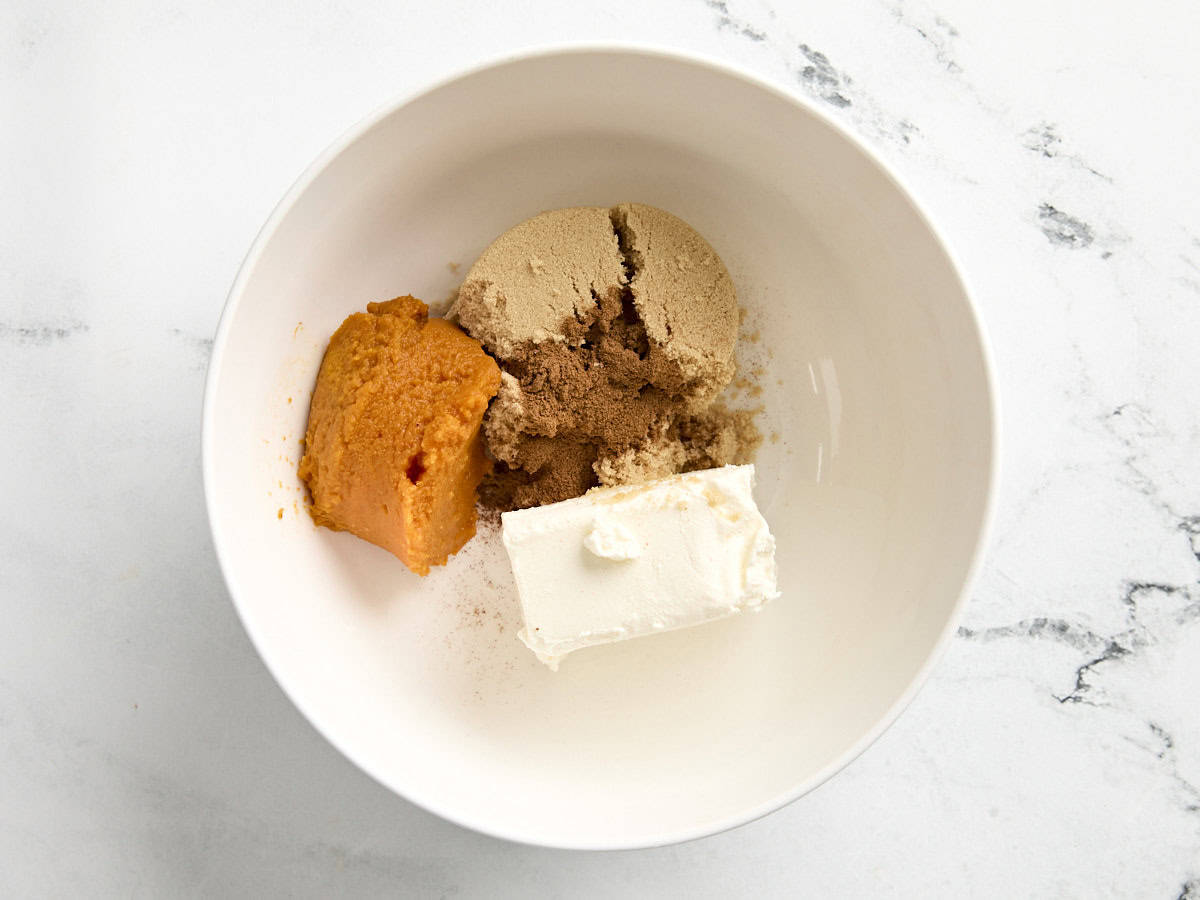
{"x": 144, "y": 749}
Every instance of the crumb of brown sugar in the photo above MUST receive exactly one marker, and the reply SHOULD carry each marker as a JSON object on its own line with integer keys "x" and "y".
{"x": 279, "y": 515}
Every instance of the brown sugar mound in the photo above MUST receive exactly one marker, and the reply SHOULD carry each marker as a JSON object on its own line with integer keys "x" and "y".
{"x": 393, "y": 451}
{"x": 616, "y": 329}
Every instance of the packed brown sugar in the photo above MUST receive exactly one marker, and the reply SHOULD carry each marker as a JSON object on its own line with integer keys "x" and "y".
{"x": 615, "y": 329}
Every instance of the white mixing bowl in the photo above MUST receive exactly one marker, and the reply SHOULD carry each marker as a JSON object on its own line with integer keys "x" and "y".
{"x": 876, "y": 478}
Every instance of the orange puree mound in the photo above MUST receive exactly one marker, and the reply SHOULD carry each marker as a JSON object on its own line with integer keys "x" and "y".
{"x": 393, "y": 451}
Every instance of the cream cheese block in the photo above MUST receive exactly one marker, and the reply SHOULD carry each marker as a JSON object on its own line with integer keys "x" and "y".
{"x": 623, "y": 562}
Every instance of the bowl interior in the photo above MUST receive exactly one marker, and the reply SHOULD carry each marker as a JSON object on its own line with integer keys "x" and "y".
{"x": 874, "y": 477}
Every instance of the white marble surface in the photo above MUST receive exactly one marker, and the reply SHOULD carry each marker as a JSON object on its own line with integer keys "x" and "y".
{"x": 145, "y": 751}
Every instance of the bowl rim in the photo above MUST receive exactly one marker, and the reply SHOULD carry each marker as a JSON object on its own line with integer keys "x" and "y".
{"x": 721, "y": 67}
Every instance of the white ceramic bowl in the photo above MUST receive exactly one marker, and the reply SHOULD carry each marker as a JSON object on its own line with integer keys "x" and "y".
{"x": 877, "y": 478}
